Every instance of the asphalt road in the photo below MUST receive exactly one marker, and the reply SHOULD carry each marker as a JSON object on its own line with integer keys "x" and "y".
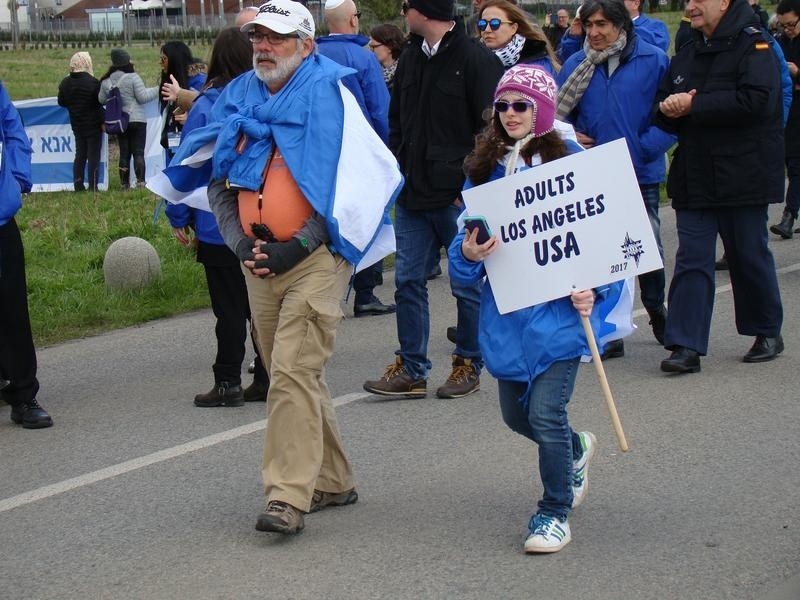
{"x": 135, "y": 493}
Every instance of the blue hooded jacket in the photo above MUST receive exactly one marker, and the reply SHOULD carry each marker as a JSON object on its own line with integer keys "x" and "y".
{"x": 522, "y": 344}
{"x": 621, "y": 106}
{"x": 366, "y": 84}
{"x": 15, "y": 170}
{"x": 181, "y": 215}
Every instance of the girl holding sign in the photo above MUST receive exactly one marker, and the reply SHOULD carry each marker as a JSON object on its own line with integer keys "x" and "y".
{"x": 534, "y": 352}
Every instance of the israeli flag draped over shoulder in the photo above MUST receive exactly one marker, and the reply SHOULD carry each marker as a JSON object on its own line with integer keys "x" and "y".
{"x": 340, "y": 164}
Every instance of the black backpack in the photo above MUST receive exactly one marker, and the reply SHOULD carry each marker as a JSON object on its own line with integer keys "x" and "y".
{"x": 116, "y": 119}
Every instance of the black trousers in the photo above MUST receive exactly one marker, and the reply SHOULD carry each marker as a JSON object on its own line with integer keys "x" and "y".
{"x": 87, "y": 154}
{"x": 228, "y": 292}
{"x": 131, "y": 143}
{"x": 756, "y": 297}
{"x": 17, "y": 353}
{"x": 365, "y": 281}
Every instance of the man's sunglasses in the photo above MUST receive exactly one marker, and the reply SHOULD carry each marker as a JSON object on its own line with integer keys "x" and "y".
{"x": 493, "y": 23}
{"x": 518, "y": 106}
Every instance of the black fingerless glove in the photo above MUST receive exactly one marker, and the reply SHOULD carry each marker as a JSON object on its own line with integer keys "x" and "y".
{"x": 244, "y": 249}
{"x": 282, "y": 256}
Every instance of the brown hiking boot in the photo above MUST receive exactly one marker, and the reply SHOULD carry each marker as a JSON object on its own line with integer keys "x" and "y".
{"x": 462, "y": 381}
{"x": 322, "y": 499}
{"x": 281, "y": 518}
{"x": 397, "y": 382}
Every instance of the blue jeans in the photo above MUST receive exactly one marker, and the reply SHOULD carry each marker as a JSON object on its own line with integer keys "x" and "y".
{"x": 652, "y": 284}
{"x": 545, "y": 422}
{"x": 419, "y": 234}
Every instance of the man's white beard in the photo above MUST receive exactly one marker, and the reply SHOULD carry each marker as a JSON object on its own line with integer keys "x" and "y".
{"x": 283, "y": 69}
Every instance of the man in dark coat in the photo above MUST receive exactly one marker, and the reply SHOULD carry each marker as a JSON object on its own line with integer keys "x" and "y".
{"x": 78, "y": 94}
{"x": 789, "y": 17}
{"x": 443, "y": 83}
{"x": 723, "y": 98}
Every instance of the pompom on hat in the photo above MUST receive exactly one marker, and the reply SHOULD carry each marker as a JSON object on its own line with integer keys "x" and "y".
{"x": 81, "y": 62}
{"x": 535, "y": 85}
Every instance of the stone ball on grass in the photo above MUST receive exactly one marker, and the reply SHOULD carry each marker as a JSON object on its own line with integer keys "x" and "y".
{"x": 130, "y": 263}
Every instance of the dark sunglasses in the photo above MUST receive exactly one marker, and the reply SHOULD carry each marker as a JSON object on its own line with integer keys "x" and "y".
{"x": 357, "y": 14}
{"x": 406, "y": 7}
{"x": 493, "y": 23}
{"x": 518, "y": 106}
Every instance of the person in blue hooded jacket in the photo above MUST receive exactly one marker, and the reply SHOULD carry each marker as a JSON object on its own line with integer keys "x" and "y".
{"x": 345, "y": 46}
{"x": 533, "y": 352}
{"x": 231, "y": 56}
{"x": 652, "y": 31}
{"x": 607, "y": 91}
{"x": 18, "y": 382}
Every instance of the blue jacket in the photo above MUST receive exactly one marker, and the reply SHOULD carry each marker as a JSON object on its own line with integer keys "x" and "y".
{"x": 520, "y": 345}
{"x": 652, "y": 31}
{"x": 367, "y": 83}
{"x": 15, "y": 171}
{"x": 181, "y": 215}
{"x": 621, "y": 106}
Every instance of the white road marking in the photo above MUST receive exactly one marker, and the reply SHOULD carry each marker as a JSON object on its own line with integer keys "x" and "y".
{"x": 49, "y": 491}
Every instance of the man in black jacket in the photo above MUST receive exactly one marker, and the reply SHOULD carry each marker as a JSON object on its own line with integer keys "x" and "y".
{"x": 789, "y": 18}
{"x": 443, "y": 83}
{"x": 78, "y": 94}
{"x": 722, "y": 96}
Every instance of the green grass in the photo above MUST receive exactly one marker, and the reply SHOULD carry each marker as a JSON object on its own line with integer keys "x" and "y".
{"x": 66, "y": 236}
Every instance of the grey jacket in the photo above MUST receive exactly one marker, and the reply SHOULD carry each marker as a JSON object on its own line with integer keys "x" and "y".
{"x": 133, "y": 92}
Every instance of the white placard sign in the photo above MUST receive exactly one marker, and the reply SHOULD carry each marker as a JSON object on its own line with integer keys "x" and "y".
{"x": 575, "y": 223}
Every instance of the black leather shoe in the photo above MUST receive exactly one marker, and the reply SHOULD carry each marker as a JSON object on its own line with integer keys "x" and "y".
{"x": 764, "y": 349}
{"x": 373, "y": 308}
{"x": 452, "y": 332}
{"x": 30, "y": 415}
{"x": 682, "y": 360}
{"x": 256, "y": 392}
{"x": 721, "y": 264}
{"x": 436, "y": 271}
{"x": 658, "y": 320}
{"x": 222, "y": 394}
{"x": 785, "y": 228}
{"x": 614, "y": 349}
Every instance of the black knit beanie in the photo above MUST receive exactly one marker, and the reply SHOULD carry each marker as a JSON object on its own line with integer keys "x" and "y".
{"x": 438, "y": 10}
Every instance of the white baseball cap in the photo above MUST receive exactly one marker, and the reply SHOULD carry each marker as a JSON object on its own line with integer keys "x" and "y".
{"x": 283, "y": 16}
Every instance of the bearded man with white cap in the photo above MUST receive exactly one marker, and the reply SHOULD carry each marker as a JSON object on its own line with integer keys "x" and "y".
{"x": 301, "y": 188}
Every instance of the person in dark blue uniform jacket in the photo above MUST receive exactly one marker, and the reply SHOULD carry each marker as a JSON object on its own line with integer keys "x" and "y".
{"x": 723, "y": 98}
{"x": 18, "y": 382}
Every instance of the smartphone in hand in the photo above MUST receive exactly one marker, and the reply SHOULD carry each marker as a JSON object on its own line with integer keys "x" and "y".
{"x": 479, "y": 223}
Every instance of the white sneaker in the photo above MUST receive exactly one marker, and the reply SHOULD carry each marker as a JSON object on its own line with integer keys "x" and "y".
{"x": 580, "y": 468}
{"x": 546, "y": 534}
